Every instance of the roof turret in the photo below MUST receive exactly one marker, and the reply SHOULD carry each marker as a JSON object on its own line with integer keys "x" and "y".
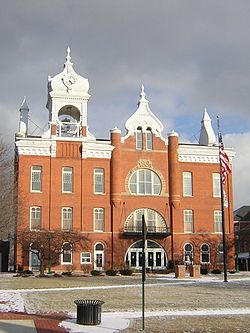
{"x": 207, "y": 136}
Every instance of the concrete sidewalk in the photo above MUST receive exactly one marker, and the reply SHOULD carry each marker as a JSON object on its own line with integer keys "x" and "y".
{"x": 14, "y": 326}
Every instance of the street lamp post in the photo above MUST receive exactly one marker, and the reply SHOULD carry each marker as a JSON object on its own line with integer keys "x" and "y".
{"x": 237, "y": 252}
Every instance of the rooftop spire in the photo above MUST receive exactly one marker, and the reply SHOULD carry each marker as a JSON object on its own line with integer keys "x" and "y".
{"x": 207, "y": 136}
{"x": 142, "y": 95}
{"x": 68, "y": 59}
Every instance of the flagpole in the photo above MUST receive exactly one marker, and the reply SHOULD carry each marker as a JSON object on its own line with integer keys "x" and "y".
{"x": 144, "y": 230}
{"x": 222, "y": 210}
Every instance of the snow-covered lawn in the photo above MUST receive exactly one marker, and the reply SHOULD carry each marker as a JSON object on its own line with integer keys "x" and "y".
{"x": 167, "y": 299}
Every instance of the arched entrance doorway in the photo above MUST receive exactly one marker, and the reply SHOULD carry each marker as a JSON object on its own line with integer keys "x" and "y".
{"x": 99, "y": 257}
{"x": 155, "y": 255}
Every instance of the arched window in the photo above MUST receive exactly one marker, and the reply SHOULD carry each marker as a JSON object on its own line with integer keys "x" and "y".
{"x": 205, "y": 254}
{"x": 145, "y": 182}
{"x": 139, "y": 138}
{"x": 220, "y": 254}
{"x": 154, "y": 221}
{"x": 149, "y": 139}
{"x": 67, "y": 253}
{"x": 188, "y": 253}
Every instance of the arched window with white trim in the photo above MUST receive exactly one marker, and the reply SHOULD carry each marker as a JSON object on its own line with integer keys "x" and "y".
{"x": 188, "y": 253}
{"x": 145, "y": 182}
{"x": 139, "y": 138}
{"x": 205, "y": 254}
{"x": 66, "y": 257}
{"x": 149, "y": 139}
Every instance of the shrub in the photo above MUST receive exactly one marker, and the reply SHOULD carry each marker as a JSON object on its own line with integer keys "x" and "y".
{"x": 216, "y": 271}
{"x": 126, "y": 271}
{"x": 111, "y": 272}
{"x": 204, "y": 270}
{"x": 96, "y": 273}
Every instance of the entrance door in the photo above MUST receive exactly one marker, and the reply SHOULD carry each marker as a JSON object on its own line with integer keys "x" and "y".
{"x": 99, "y": 257}
{"x": 34, "y": 261}
{"x": 155, "y": 255}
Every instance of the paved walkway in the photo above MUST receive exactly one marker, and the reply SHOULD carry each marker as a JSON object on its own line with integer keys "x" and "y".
{"x": 16, "y": 322}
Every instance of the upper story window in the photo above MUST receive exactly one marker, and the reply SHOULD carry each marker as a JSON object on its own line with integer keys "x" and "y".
{"x": 67, "y": 253}
{"x": 187, "y": 184}
{"x": 35, "y": 218}
{"x": 145, "y": 182}
{"x": 67, "y": 179}
{"x": 139, "y": 138}
{"x": 216, "y": 185}
{"x": 67, "y": 213}
{"x": 36, "y": 178}
{"x": 98, "y": 181}
{"x": 217, "y": 221}
{"x": 188, "y": 221}
{"x": 99, "y": 219}
{"x": 205, "y": 253}
{"x": 154, "y": 221}
{"x": 149, "y": 139}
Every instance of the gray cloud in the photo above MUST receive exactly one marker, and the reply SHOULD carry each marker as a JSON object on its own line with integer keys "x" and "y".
{"x": 188, "y": 54}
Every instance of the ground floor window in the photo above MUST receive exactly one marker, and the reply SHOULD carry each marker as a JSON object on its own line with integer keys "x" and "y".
{"x": 155, "y": 255}
{"x": 85, "y": 257}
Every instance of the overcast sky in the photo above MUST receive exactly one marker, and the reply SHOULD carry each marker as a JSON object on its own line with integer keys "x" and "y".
{"x": 188, "y": 54}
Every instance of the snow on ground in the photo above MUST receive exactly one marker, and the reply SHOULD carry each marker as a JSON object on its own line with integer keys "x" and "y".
{"x": 11, "y": 301}
{"x": 116, "y": 321}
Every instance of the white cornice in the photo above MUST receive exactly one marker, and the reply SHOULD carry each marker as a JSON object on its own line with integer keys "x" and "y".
{"x": 35, "y": 147}
{"x": 201, "y": 154}
{"x": 96, "y": 150}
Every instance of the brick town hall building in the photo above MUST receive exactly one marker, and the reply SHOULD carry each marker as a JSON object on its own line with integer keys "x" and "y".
{"x": 69, "y": 180}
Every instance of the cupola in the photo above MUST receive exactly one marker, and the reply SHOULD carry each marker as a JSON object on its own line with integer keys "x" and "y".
{"x": 67, "y": 102}
{"x": 207, "y": 136}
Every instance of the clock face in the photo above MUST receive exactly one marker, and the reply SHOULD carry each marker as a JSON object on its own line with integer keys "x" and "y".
{"x": 69, "y": 81}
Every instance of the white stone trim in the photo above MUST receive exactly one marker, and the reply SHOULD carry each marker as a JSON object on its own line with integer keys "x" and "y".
{"x": 96, "y": 150}
{"x": 201, "y": 154}
{"x": 34, "y": 147}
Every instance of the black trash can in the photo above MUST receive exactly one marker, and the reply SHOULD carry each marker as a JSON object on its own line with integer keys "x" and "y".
{"x": 88, "y": 311}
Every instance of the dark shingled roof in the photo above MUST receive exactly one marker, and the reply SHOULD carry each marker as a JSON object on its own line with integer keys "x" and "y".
{"x": 242, "y": 214}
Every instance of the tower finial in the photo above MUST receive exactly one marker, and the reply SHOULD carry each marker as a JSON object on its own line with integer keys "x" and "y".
{"x": 68, "y": 57}
{"x": 142, "y": 95}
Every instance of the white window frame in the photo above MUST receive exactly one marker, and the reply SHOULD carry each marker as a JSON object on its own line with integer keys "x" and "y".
{"x": 154, "y": 221}
{"x": 36, "y": 172}
{"x": 139, "y": 139}
{"x": 216, "y": 185}
{"x": 202, "y": 252}
{"x": 187, "y": 182}
{"x": 67, "y": 212}
{"x": 68, "y": 251}
{"x": 67, "y": 172}
{"x": 149, "y": 139}
{"x": 188, "y": 253}
{"x": 35, "y": 215}
{"x": 188, "y": 216}
{"x": 141, "y": 178}
{"x": 218, "y": 221}
{"x": 85, "y": 258}
{"x": 99, "y": 212}
{"x": 99, "y": 173}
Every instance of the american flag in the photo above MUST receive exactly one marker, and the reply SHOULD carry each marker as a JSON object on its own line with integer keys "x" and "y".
{"x": 224, "y": 160}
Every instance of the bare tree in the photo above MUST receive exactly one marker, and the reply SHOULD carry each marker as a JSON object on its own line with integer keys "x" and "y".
{"x": 48, "y": 245}
{"x": 7, "y": 211}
